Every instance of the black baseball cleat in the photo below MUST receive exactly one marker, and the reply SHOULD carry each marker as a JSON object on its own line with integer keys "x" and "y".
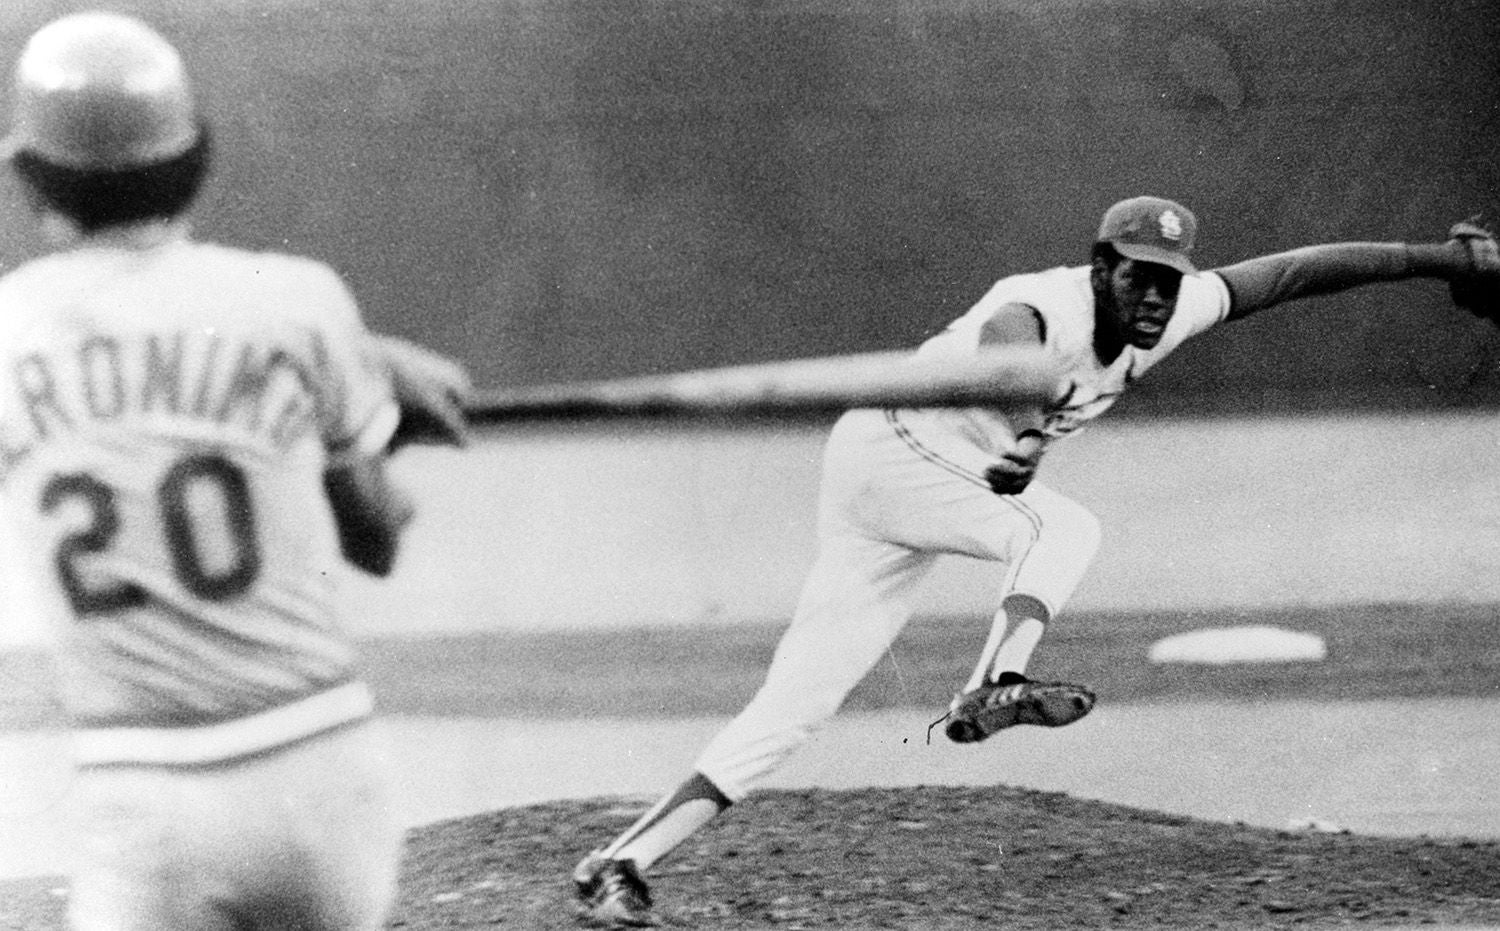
{"x": 1014, "y": 699}
{"x": 612, "y": 894}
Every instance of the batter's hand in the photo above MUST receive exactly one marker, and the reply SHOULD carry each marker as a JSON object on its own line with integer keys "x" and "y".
{"x": 430, "y": 389}
{"x": 1016, "y": 468}
{"x": 1478, "y": 292}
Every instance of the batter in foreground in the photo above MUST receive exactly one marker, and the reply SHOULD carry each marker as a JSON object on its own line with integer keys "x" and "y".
{"x": 193, "y": 439}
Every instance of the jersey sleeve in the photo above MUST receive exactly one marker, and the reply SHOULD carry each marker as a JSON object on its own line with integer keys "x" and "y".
{"x": 1202, "y": 302}
{"x": 962, "y": 337}
{"x": 1263, "y": 282}
{"x": 358, "y": 413}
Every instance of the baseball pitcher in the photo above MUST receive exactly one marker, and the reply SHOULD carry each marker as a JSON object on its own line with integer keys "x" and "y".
{"x": 902, "y": 487}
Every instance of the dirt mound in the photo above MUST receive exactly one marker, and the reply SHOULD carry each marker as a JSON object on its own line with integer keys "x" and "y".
{"x": 949, "y": 858}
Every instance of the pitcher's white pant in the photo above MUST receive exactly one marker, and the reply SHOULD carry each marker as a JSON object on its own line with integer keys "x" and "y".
{"x": 890, "y": 504}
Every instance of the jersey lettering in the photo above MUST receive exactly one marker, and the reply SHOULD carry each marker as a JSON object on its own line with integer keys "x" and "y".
{"x": 38, "y": 393}
{"x": 103, "y": 382}
{"x": 221, "y": 477}
{"x": 92, "y": 539}
{"x": 203, "y": 376}
{"x": 185, "y": 527}
{"x": 1071, "y": 413}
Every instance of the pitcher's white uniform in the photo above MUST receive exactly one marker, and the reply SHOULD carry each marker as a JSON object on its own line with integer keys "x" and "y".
{"x": 902, "y": 487}
{"x": 167, "y": 411}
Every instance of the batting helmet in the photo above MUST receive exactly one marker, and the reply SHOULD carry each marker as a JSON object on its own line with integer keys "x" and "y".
{"x": 102, "y": 92}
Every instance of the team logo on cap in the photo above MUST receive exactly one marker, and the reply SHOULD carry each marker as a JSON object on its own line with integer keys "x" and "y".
{"x": 1171, "y": 225}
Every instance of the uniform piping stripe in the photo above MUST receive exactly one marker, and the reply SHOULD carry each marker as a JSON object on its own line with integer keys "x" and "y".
{"x": 185, "y": 746}
{"x": 938, "y": 460}
{"x": 941, "y": 462}
{"x": 932, "y": 456}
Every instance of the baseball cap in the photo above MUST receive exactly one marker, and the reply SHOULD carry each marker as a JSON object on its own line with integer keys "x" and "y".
{"x": 1151, "y": 229}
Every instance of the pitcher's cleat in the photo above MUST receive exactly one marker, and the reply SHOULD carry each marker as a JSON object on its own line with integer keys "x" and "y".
{"x": 1014, "y": 699}
{"x": 612, "y": 894}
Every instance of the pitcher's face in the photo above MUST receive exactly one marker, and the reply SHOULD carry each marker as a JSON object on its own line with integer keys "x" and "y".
{"x": 1137, "y": 300}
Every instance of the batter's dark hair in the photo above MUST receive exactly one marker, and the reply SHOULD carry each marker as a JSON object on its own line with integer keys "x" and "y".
{"x": 1107, "y": 252}
{"x": 97, "y": 199}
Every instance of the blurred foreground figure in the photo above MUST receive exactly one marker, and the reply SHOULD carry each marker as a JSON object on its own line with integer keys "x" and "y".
{"x": 902, "y": 487}
{"x": 193, "y": 438}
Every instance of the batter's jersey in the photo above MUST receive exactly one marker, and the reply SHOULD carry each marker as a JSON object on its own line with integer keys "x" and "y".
{"x": 1065, "y": 300}
{"x": 167, "y": 412}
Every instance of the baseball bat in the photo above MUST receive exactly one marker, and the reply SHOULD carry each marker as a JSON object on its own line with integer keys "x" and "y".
{"x": 798, "y": 389}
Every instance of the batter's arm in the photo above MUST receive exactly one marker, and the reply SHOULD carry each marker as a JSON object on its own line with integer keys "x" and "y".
{"x": 1259, "y": 283}
{"x": 370, "y": 512}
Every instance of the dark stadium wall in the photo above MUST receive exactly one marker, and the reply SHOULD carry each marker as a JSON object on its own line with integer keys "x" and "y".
{"x": 582, "y": 188}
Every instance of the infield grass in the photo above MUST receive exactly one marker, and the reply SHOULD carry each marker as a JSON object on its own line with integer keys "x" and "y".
{"x": 1374, "y": 651}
